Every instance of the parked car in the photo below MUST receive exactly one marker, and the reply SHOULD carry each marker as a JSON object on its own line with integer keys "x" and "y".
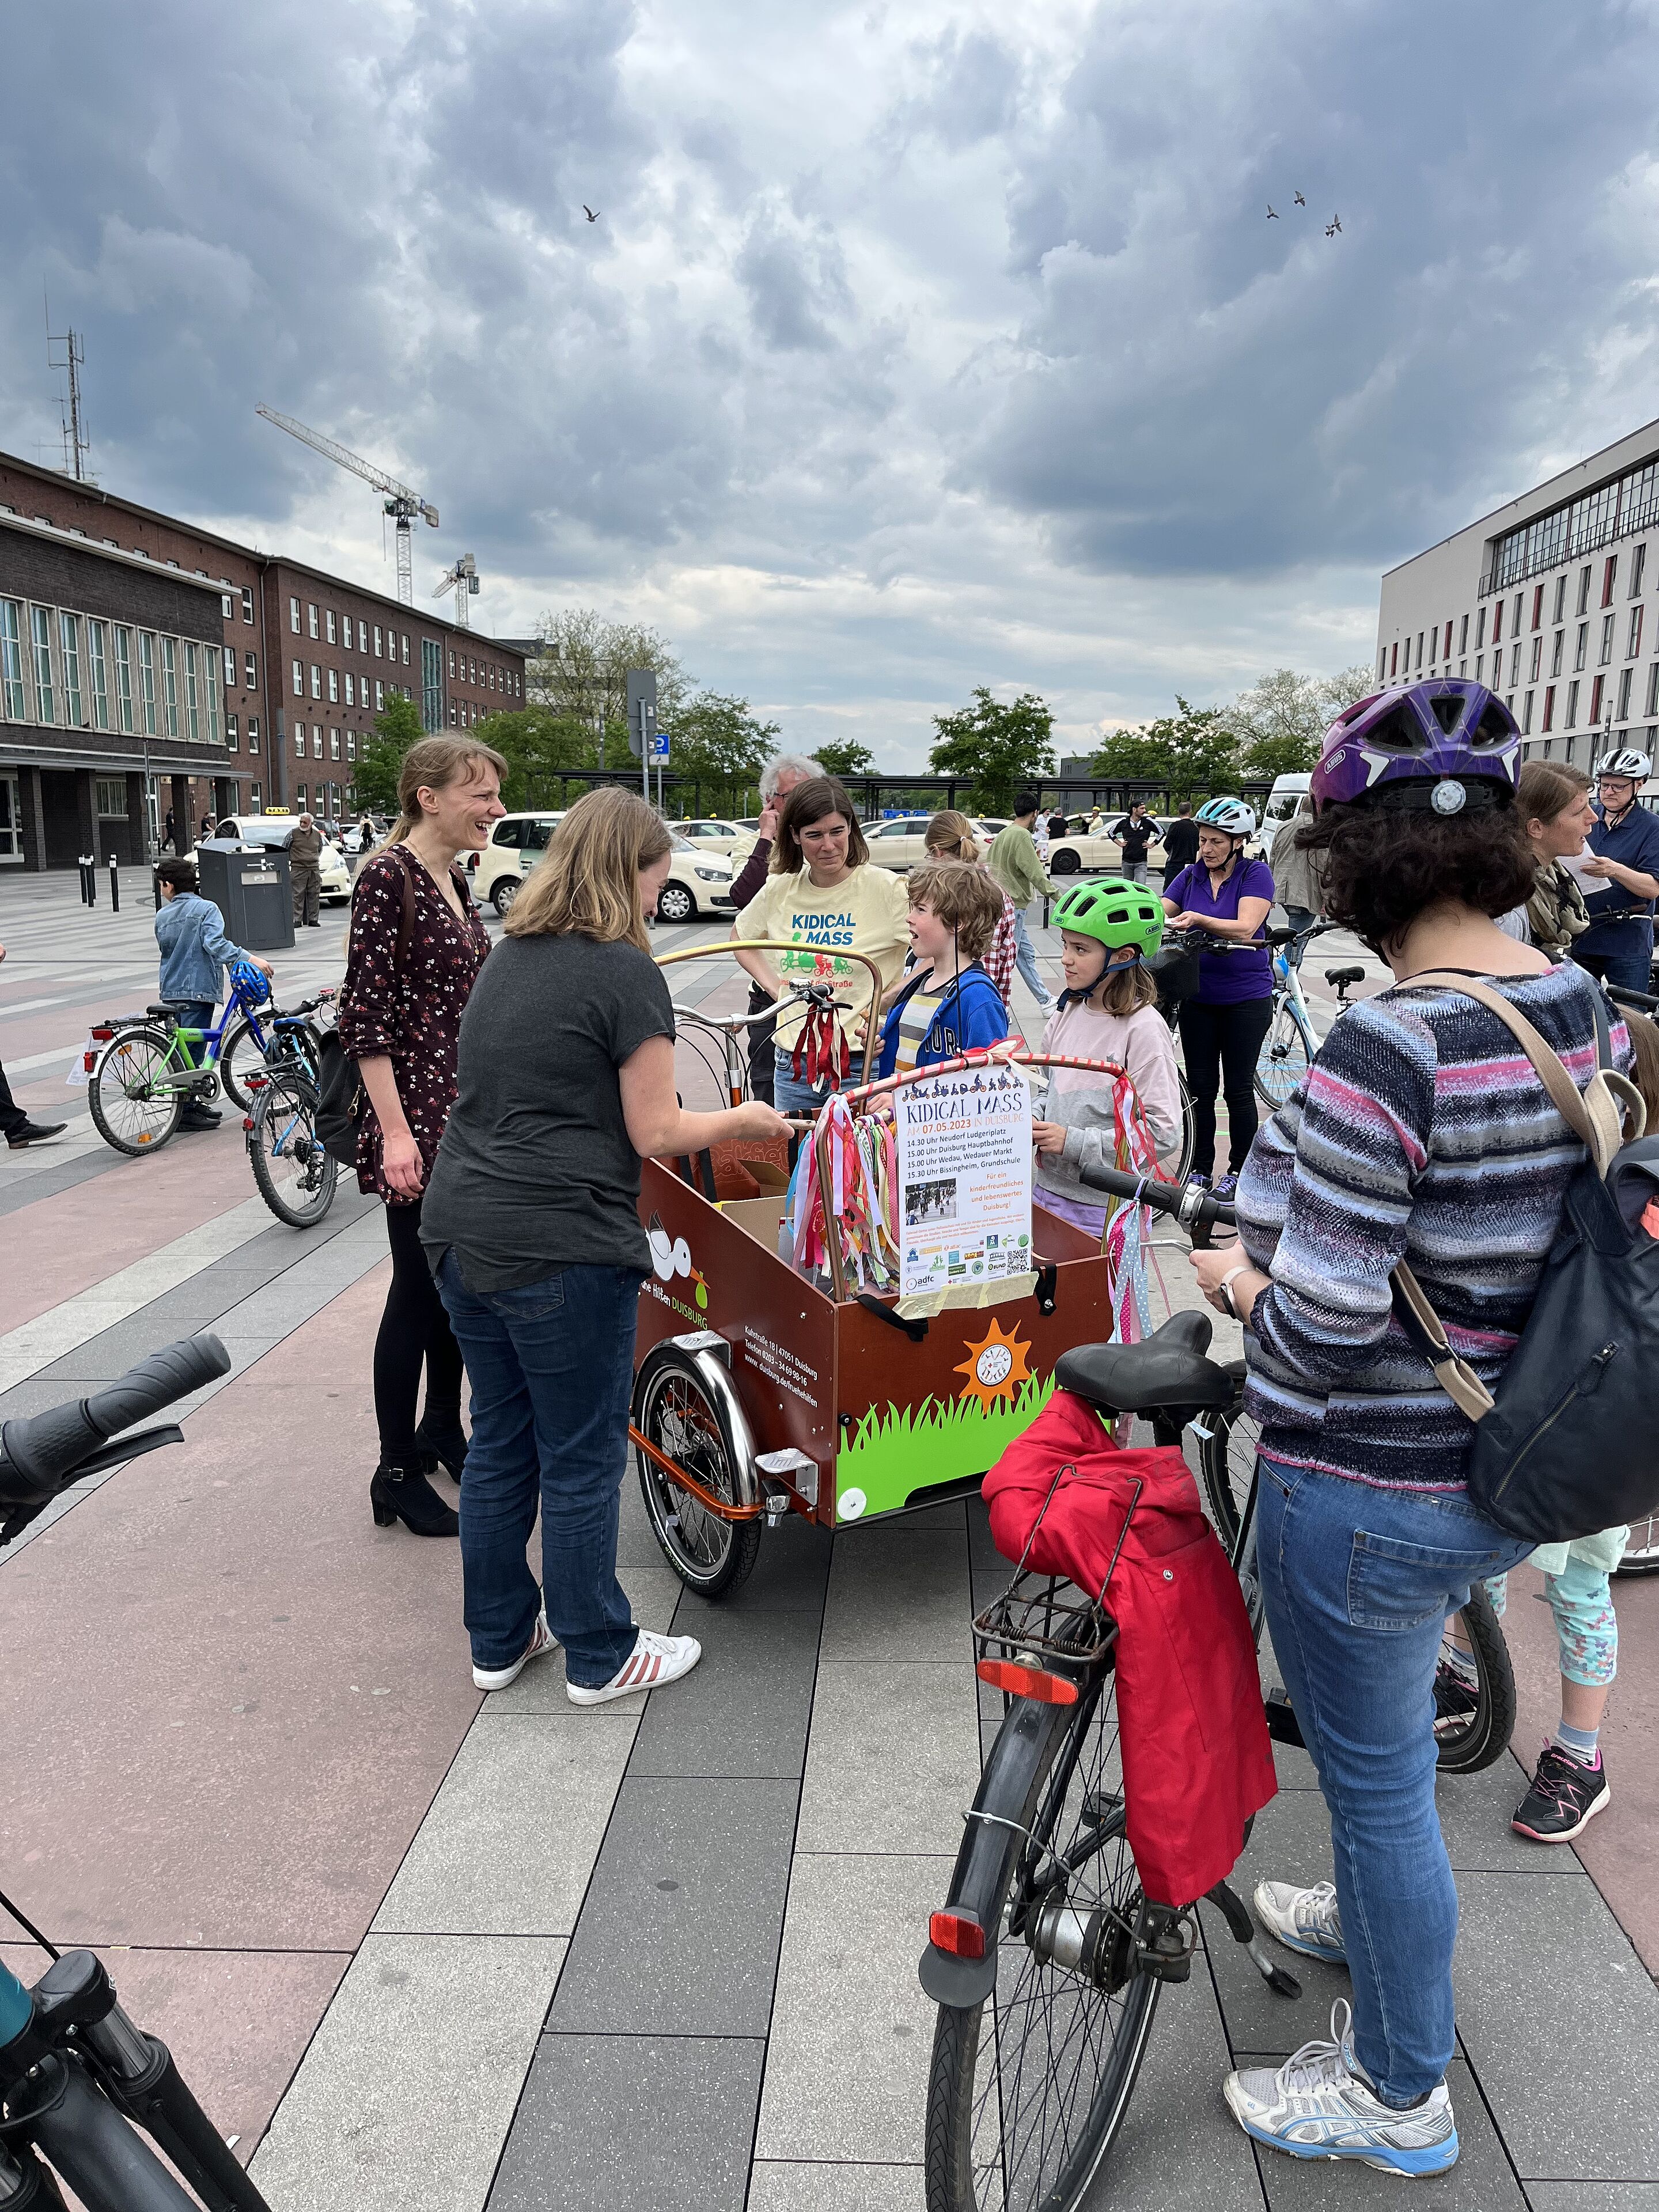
{"x": 1083, "y": 850}
{"x": 901, "y": 844}
{"x": 732, "y": 841}
{"x": 272, "y": 832}
{"x": 699, "y": 882}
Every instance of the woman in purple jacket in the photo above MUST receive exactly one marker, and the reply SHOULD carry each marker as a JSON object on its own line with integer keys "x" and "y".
{"x": 1228, "y": 898}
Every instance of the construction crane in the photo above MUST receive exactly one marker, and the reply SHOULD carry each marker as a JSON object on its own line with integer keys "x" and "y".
{"x": 402, "y": 504}
{"x": 463, "y": 580}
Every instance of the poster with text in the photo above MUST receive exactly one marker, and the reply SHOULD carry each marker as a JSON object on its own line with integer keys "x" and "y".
{"x": 964, "y": 1196}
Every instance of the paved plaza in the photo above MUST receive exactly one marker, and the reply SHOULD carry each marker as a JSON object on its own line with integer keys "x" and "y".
{"x": 416, "y": 1947}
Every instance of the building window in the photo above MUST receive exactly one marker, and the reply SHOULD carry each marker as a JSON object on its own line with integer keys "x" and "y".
{"x": 1394, "y": 658}
{"x": 45, "y": 702}
{"x": 227, "y": 607}
{"x": 124, "y": 678}
{"x": 334, "y": 745}
{"x": 1538, "y": 606}
{"x": 432, "y": 685}
{"x": 1462, "y": 646}
{"x": 1607, "y": 574}
{"x": 451, "y": 664}
{"x": 333, "y": 687}
{"x": 300, "y": 794}
{"x": 1515, "y": 662}
{"x": 299, "y": 741}
{"x": 1526, "y": 715}
{"x": 1652, "y": 705}
{"x": 192, "y": 699}
{"x": 233, "y": 734}
{"x": 147, "y": 681}
{"x": 294, "y": 616}
{"x": 1596, "y": 700}
{"x": 69, "y": 660}
{"x": 311, "y": 618}
{"x": 1561, "y": 599}
{"x": 379, "y": 696}
{"x": 351, "y": 745}
{"x": 253, "y": 737}
{"x": 350, "y": 690}
{"x": 1549, "y": 707}
{"x": 112, "y": 792}
{"x": 1583, "y": 606}
{"x": 1480, "y": 628}
{"x": 1537, "y": 658}
{"x": 98, "y": 674}
{"x": 317, "y": 742}
{"x": 297, "y": 679}
{"x": 316, "y": 681}
{"x": 247, "y": 605}
{"x": 405, "y": 649}
{"x": 249, "y": 673}
{"x": 1605, "y": 655}
{"x": 11, "y": 659}
{"x": 1572, "y": 704}
{"x": 1638, "y": 561}
{"x": 1632, "y": 647}
{"x": 1480, "y": 662}
{"x": 1556, "y": 652}
{"x": 169, "y": 689}
{"x": 454, "y": 714}
{"x": 377, "y": 641}
{"x": 1625, "y": 675}
{"x": 1515, "y": 623}
{"x": 1496, "y": 620}
{"x": 330, "y": 626}
{"x": 1580, "y": 647}
{"x": 255, "y": 799}
{"x": 230, "y": 668}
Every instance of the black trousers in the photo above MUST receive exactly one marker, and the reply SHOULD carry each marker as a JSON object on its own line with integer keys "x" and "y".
{"x": 13, "y": 1117}
{"x": 415, "y": 1333}
{"x": 762, "y": 1059}
{"x": 1222, "y": 1045}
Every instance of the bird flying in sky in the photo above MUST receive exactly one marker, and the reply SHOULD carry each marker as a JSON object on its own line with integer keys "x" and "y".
{"x": 589, "y": 213}
{"x": 1333, "y": 226}
{"x": 1300, "y": 201}
{"x": 1273, "y": 212}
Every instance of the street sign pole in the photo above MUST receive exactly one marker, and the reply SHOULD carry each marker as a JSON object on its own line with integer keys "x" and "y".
{"x": 642, "y": 723}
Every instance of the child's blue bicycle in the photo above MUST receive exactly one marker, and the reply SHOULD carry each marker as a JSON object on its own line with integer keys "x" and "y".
{"x": 150, "y": 1066}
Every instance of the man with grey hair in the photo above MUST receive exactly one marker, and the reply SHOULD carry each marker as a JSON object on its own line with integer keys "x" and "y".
{"x": 777, "y": 780}
{"x": 305, "y": 868}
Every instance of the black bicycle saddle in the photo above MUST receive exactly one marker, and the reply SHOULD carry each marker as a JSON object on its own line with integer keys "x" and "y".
{"x": 1168, "y": 1368}
{"x": 1345, "y": 975}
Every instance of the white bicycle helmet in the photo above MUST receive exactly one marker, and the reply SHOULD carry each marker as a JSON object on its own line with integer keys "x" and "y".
{"x": 1229, "y": 814}
{"x": 1625, "y": 763}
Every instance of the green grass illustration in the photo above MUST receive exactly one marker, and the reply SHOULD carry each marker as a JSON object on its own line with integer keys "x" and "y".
{"x": 896, "y": 1450}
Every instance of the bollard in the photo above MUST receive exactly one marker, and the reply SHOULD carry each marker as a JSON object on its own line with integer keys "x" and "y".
{"x": 114, "y": 885}
{"x": 87, "y": 863}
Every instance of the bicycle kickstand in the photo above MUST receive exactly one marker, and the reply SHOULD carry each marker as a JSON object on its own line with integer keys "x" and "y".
{"x": 1242, "y": 1927}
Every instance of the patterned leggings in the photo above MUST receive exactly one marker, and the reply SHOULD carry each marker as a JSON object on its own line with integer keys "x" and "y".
{"x": 1586, "y": 1626}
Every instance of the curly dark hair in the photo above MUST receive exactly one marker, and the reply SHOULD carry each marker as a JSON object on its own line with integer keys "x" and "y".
{"x": 1383, "y": 867}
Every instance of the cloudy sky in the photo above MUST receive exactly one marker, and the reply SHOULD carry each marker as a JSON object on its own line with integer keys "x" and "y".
{"x": 915, "y": 347}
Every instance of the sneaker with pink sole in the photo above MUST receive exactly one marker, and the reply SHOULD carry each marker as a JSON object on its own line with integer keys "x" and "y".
{"x": 654, "y": 1661}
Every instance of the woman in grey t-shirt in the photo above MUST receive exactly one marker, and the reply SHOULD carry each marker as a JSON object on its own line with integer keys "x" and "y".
{"x": 532, "y": 1223}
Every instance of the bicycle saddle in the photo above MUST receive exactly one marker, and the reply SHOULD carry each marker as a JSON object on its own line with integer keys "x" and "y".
{"x": 160, "y": 1006}
{"x": 1345, "y": 975}
{"x": 1168, "y": 1368}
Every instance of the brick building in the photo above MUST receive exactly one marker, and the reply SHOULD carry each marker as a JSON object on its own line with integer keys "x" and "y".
{"x": 302, "y": 662}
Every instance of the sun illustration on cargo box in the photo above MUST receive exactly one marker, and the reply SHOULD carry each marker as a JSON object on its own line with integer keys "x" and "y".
{"x": 995, "y": 1368}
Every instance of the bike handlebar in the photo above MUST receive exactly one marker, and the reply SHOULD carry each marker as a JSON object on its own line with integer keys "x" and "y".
{"x": 1189, "y": 1205}
{"x": 40, "y": 1456}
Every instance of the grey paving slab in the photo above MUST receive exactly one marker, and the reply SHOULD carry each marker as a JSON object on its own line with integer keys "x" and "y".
{"x": 653, "y": 1592}
{"x": 795, "y": 2185}
{"x": 847, "y": 2065}
{"x": 790, "y": 1576}
{"x": 898, "y": 1594}
{"x": 893, "y": 1761}
{"x": 744, "y": 1709}
{"x": 1593, "y": 2195}
{"x": 680, "y": 1931}
{"x": 632, "y": 2124}
{"x": 1481, "y": 2181}
{"x": 1290, "y": 1842}
{"x": 204, "y": 1302}
{"x": 512, "y": 1836}
{"x": 1560, "y": 2020}
{"x": 409, "y": 2087}
{"x": 61, "y": 1176}
{"x": 1475, "y": 1811}
{"x": 982, "y": 1552}
{"x": 1179, "y": 2149}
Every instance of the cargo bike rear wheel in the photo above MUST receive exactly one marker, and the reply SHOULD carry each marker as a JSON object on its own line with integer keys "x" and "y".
{"x": 681, "y": 1412}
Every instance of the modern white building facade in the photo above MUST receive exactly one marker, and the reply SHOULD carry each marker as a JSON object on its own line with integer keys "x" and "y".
{"x": 1547, "y": 601}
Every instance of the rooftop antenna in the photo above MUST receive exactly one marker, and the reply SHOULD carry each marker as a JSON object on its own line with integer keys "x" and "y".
{"x": 77, "y": 444}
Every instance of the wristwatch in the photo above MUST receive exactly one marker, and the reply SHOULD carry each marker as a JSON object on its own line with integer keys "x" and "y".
{"x": 1225, "y": 1287}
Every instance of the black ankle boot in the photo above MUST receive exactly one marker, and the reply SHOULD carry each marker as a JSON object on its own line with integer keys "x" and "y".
{"x": 403, "y": 1494}
{"x": 441, "y": 1442}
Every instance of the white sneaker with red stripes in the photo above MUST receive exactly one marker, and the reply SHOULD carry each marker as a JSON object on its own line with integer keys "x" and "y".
{"x": 654, "y": 1661}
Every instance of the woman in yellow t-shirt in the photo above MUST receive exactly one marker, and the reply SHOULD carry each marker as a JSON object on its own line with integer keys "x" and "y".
{"x": 825, "y": 897}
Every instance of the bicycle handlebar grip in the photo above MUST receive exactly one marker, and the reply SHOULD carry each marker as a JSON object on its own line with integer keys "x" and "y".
{"x": 1162, "y": 1197}
{"x": 48, "y": 1448}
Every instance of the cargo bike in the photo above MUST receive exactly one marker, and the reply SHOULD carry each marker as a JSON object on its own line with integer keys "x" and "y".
{"x": 761, "y": 1393}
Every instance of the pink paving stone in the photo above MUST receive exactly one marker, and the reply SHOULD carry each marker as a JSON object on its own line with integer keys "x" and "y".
{"x": 1620, "y": 1847}
{"x": 83, "y": 1235}
{"x": 198, "y": 1757}
{"x": 237, "y": 2022}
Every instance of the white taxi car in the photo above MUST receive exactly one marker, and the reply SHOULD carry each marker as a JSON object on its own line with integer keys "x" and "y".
{"x": 732, "y": 841}
{"x": 699, "y": 882}
{"x": 273, "y": 830}
{"x": 901, "y": 844}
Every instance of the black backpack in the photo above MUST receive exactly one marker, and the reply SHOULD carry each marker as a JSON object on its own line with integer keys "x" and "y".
{"x": 1569, "y": 1446}
{"x": 341, "y": 1098}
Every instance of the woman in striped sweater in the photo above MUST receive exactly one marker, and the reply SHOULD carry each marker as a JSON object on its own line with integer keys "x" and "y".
{"x": 1422, "y": 1132}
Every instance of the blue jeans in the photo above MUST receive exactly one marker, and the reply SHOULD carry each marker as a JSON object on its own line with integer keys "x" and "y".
{"x": 1357, "y": 1582}
{"x": 1301, "y": 919}
{"x": 790, "y": 1094}
{"x": 1026, "y": 958}
{"x": 1631, "y": 971}
{"x": 551, "y": 1367}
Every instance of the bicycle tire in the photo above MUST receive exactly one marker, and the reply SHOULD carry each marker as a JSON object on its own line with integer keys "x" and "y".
{"x": 1641, "y": 1552}
{"x": 285, "y": 1130}
{"x": 1181, "y": 1166}
{"x": 120, "y": 1067}
{"x": 1282, "y": 1062}
{"x": 232, "y": 1081}
{"x": 676, "y": 1412}
{"x": 1485, "y": 1737}
{"x": 965, "y": 2137}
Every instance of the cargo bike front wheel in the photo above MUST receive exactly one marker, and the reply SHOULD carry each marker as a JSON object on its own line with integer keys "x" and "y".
{"x": 683, "y": 1415}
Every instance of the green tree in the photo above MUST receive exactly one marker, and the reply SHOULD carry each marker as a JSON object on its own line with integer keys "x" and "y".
{"x": 1001, "y": 746}
{"x": 582, "y": 672}
{"x": 722, "y": 744}
{"x": 1282, "y": 717}
{"x": 1191, "y": 751}
{"x": 396, "y": 727}
{"x": 539, "y": 746}
{"x": 842, "y": 757}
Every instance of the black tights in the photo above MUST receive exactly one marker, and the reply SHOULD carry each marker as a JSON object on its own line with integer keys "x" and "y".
{"x": 1222, "y": 1045}
{"x": 415, "y": 1331}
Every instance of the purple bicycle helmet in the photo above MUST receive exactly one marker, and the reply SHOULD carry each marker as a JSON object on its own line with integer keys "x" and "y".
{"x": 1443, "y": 745}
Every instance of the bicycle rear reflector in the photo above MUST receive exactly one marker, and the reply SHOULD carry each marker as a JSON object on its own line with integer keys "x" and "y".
{"x": 959, "y": 1932}
{"x": 1033, "y": 1682}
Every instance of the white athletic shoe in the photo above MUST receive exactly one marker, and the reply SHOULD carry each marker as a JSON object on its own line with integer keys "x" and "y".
{"x": 1319, "y": 2105}
{"x": 654, "y": 1661}
{"x": 1305, "y": 1920}
{"x": 497, "y": 1678}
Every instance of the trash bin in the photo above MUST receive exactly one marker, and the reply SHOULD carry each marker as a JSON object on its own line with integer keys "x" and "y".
{"x": 249, "y": 886}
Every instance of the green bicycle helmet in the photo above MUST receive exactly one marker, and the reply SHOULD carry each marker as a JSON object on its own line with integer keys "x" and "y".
{"x": 1114, "y": 913}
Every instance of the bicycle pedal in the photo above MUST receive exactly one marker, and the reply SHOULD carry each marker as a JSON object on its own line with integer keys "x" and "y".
{"x": 1099, "y": 1806}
